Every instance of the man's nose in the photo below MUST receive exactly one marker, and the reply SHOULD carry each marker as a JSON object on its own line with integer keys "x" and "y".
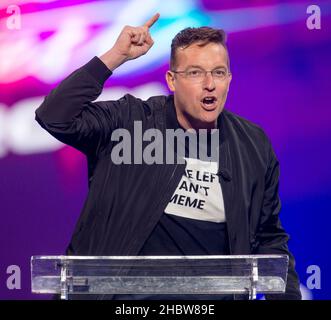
{"x": 209, "y": 82}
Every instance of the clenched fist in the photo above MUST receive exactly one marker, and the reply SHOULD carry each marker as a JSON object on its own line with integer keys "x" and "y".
{"x": 132, "y": 43}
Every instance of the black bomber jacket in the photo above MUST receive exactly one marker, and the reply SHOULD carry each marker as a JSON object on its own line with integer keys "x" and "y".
{"x": 125, "y": 202}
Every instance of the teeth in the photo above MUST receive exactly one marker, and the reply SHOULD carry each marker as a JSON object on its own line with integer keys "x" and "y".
{"x": 208, "y": 100}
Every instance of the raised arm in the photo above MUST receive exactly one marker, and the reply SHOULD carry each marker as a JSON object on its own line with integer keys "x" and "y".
{"x": 68, "y": 112}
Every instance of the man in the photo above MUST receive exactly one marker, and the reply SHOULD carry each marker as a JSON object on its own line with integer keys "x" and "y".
{"x": 198, "y": 207}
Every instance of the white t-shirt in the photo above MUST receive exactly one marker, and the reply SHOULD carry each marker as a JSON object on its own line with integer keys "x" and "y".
{"x": 199, "y": 193}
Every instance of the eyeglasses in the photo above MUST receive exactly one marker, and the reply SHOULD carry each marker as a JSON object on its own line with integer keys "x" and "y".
{"x": 197, "y": 74}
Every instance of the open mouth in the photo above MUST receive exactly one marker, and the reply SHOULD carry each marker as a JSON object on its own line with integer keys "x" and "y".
{"x": 209, "y": 102}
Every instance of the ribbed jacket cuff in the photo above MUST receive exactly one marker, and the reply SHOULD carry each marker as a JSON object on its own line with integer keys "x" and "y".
{"x": 98, "y": 70}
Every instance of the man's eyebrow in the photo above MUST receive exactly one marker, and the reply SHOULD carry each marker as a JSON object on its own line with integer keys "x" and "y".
{"x": 193, "y": 66}
{"x": 197, "y": 66}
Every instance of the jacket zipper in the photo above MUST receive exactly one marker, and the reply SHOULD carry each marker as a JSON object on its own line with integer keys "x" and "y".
{"x": 225, "y": 211}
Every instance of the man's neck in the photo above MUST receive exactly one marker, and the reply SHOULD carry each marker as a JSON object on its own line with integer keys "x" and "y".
{"x": 186, "y": 124}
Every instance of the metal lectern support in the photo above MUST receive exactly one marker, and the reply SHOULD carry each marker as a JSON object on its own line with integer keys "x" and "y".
{"x": 254, "y": 280}
{"x": 64, "y": 281}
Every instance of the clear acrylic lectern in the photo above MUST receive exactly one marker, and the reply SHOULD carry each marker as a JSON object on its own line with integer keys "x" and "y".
{"x": 233, "y": 274}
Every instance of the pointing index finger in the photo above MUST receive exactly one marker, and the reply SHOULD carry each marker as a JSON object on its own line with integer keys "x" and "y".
{"x": 152, "y": 20}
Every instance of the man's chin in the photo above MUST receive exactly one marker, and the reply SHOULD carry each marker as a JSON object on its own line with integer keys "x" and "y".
{"x": 204, "y": 120}
{"x": 210, "y": 116}
{"x": 206, "y": 123}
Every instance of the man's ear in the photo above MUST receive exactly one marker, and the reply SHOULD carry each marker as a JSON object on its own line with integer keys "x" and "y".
{"x": 230, "y": 78}
{"x": 170, "y": 80}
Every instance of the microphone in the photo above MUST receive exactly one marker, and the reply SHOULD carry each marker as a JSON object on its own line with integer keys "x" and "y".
{"x": 225, "y": 174}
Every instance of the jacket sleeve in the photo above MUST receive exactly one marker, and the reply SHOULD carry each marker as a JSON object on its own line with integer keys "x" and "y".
{"x": 271, "y": 237}
{"x": 69, "y": 114}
